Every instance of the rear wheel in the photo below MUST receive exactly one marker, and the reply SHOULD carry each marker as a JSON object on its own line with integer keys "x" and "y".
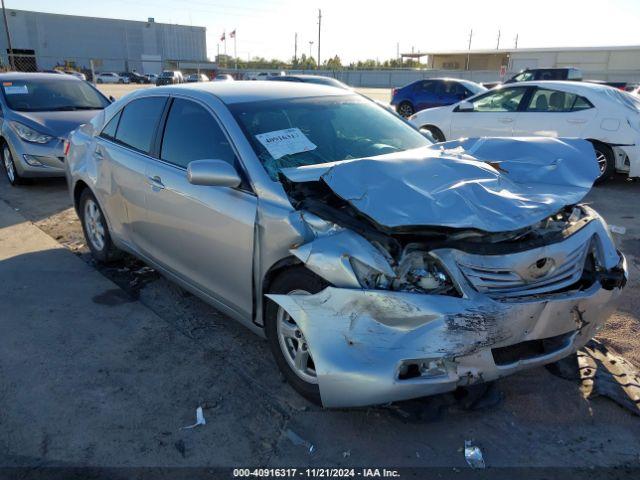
{"x": 606, "y": 161}
{"x": 436, "y": 133}
{"x": 96, "y": 230}
{"x": 287, "y": 342}
{"x": 405, "y": 109}
{"x": 10, "y": 167}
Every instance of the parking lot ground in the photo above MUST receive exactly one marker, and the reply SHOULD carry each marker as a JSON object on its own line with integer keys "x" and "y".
{"x": 96, "y": 375}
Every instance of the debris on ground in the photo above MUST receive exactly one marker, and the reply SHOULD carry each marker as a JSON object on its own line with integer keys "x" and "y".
{"x": 346, "y": 454}
{"x": 181, "y": 448}
{"x": 298, "y": 440}
{"x": 199, "y": 419}
{"x": 604, "y": 372}
{"x": 473, "y": 455}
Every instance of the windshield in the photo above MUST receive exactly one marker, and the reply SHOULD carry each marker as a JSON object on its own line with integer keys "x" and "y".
{"x": 167, "y": 74}
{"x": 51, "y": 95}
{"x": 308, "y": 131}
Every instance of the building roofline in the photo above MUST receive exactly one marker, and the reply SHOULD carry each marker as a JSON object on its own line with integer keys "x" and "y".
{"x": 523, "y": 50}
{"x": 9, "y": 10}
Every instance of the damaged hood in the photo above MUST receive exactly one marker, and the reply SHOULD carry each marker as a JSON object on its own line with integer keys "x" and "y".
{"x": 489, "y": 184}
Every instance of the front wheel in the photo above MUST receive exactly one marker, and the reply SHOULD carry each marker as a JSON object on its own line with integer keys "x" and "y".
{"x": 96, "y": 230}
{"x": 435, "y": 132}
{"x": 10, "y": 167}
{"x": 288, "y": 344}
{"x": 100, "y": 81}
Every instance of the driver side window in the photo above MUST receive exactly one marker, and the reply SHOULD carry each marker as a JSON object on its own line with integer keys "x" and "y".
{"x": 504, "y": 100}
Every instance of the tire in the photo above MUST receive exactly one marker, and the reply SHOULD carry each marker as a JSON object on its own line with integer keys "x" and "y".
{"x": 120, "y": 81}
{"x": 99, "y": 81}
{"x": 405, "y": 109}
{"x": 297, "y": 279}
{"x": 437, "y": 134}
{"x": 606, "y": 161}
{"x": 9, "y": 165}
{"x": 96, "y": 230}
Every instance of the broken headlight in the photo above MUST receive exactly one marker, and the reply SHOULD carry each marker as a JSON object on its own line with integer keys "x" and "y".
{"x": 420, "y": 272}
{"x": 417, "y": 272}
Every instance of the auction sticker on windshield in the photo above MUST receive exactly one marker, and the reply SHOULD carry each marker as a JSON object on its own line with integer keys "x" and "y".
{"x": 15, "y": 89}
{"x": 285, "y": 142}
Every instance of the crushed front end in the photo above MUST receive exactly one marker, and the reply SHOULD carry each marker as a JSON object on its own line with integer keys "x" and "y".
{"x": 422, "y": 310}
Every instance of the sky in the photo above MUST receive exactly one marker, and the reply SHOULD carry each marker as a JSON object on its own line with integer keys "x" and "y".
{"x": 359, "y": 29}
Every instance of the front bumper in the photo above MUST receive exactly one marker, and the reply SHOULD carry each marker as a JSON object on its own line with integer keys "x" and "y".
{"x": 375, "y": 346}
{"x": 361, "y": 340}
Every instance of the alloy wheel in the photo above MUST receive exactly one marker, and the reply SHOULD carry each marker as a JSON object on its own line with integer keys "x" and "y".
{"x": 8, "y": 164}
{"x": 602, "y": 161}
{"x": 405, "y": 110}
{"x": 94, "y": 225}
{"x": 294, "y": 346}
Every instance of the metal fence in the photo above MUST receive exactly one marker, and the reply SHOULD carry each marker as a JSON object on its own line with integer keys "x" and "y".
{"x": 149, "y": 64}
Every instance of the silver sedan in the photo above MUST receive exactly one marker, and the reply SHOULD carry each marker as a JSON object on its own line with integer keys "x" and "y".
{"x": 379, "y": 267}
{"x": 39, "y": 110}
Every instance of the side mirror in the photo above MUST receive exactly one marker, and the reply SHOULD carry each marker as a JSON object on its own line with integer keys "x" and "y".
{"x": 214, "y": 173}
{"x": 112, "y": 98}
{"x": 465, "y": 107}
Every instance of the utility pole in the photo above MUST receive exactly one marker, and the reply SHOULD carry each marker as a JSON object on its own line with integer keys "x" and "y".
{"x": 6, "y": 28}
{"x": 310, "y": 45}
{"x": 498, "y": 44}
{"x": 319, "y": 27}
{"x": 516, "y": 41}
{"x": 295, "y": 48}
{"x": 469, "y": 50}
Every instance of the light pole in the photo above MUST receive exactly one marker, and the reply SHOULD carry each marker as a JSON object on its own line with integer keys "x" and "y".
{"x": 6, "y": 27}
{"x": 310, "y": 45}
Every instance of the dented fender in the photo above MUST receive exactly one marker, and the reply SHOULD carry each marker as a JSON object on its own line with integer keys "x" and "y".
{"x": 330, "y": 257}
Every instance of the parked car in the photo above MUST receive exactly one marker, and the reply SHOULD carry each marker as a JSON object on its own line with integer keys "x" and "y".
{"x": 607, "y": 117}
{"x": 110, "y": 77}
{"x": 152, "y": 77}
{"x": 38, "y": 112}
{"x": 537, "y": 74}
{"x": 223, "y": 77}
{"x": 432, "y": 92}
{"x": 76, "y": 74}
{"x": 134, "y": 77}
{"x": 317, "y": 79}
{"x": 197, "y": 77}
{"x": 170, "y": 77}
{"x": 619, "y": 85}
{"x": 379, "y": 266}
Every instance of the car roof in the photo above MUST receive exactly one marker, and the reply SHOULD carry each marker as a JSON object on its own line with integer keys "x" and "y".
{"x": 37, "y": 76}
{"x": 257, "y": 90}
{"x": 564, "y": 85}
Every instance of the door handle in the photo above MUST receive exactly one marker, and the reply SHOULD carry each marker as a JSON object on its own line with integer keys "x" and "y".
{"x": 506, "y": 120}
{"x": 156, "y": 182}
{"x": 576, "y": 120}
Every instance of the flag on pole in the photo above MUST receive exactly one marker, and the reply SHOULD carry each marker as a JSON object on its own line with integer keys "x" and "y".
{"x": 233, "y": 34}
{"x": 223, "y": 37}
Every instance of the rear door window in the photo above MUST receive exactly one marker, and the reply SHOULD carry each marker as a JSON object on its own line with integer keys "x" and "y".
{"x": 547, "y": 100}
{"x": 138, "y": 123}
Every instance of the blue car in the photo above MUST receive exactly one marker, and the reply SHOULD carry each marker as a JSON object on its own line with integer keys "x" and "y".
{"x": 432, "y": 92}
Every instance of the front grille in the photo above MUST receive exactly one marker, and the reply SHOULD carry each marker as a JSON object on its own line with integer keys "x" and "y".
{"x": 530, "y": 349}
{"x": 502, "y": 282}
